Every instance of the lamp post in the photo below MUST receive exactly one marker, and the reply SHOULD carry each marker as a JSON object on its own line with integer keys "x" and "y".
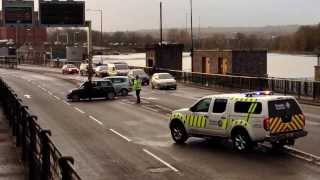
{"x": 192, "y": 43}
{"x": 101, "y": 23}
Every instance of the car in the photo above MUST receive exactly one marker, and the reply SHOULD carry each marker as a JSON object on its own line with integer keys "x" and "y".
{"x": 69, "y": 69}
{"x": 121, "y": 68}
{"x": 84, "y": 68}
{"x": 99, "y": 89}
{"x": 121, "y": 84}
{"x": 101, "y": 71}
{"x": 142, "y": 76}
{"x": 163, "y": 81}
{"x": 246, "y": 119}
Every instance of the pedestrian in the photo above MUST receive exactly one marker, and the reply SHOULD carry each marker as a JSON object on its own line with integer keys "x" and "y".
{"x": 137, "y": 87}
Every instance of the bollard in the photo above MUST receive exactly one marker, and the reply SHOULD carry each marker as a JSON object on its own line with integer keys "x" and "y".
{"x": 45, "y": 154}
{"x": 65, "y": 167}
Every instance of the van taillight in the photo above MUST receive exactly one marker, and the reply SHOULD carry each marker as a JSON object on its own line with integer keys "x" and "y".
{"x": 266, "y": 124}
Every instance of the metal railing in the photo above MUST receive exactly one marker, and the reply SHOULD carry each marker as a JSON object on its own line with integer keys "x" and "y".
{"x": 10, "y": 62}
{"x": 309, "y": 90}
{"x": 44, "y": 160}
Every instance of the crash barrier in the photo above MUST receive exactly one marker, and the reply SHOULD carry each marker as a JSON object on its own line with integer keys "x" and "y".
{"x": 10, "y": 62}
{"x": 43, "y": 159}
{"x": 309, "y": 90}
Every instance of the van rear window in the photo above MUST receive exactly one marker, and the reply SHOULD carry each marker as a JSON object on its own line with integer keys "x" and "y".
{"x": 244, "y": 107}
{"x": 281, "y": 108}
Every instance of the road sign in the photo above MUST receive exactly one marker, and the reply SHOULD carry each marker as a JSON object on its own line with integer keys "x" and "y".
{"x": 62, "y": 13}
{"x": 23, "y": 15}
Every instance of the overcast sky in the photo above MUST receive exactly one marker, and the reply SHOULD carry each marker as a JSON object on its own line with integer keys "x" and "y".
{"x": 144, "y": 14}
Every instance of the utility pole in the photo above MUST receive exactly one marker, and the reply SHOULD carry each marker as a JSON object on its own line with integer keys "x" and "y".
{"x": 161, "y": 37}
{"x": 192, "y": 43}
{"x": 90, "y": 69}
{"x": 199, "y": 32}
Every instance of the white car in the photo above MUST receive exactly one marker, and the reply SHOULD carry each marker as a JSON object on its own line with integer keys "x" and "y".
{"x": 246, "y": 119}
{"x": 163, "y": 81}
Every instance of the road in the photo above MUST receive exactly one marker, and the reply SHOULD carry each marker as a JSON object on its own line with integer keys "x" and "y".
{"x": 121, "y": 140}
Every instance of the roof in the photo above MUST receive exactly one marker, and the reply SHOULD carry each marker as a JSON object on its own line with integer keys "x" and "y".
{"x": 243, "y": 95}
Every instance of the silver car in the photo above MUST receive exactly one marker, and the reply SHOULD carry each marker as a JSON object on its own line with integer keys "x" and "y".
{"x": 121, "y": 84}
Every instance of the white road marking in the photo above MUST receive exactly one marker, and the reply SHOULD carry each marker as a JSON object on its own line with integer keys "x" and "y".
{"x": 27, "y": 96}
{"x": 313, "y": 123}
{"x": 67, "y": 103}
{"x": 160, "y": 160}
{"x": 314, "y": 116}
{"x": 82, "y": 112}
{"x": 149, "y": 98}
{"x": 57, "y": 98}
{"x": 164, "y": 108}
{"x": 149, "y": 108}
{"x": 122, "y": 136}
{"x": 303, "y": 155}
{"x": 50, "y": 93}
{"x": 45, "y": 89}
{"x": 96, "y": 120}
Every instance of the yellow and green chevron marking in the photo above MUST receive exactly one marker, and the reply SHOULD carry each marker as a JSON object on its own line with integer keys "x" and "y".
{"x": 197, "y": 121}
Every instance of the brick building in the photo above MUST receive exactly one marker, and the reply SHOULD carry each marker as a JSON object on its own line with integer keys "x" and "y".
{"x": 232, "y": 62}
{"x": 166, "y": 56}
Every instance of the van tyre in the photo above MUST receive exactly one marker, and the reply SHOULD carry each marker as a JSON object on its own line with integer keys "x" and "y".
{"x": 178, "y": 133}
{"x": 241, "y": 141}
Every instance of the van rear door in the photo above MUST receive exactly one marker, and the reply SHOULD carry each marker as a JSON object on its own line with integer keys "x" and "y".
{"x": 285, "y": 115}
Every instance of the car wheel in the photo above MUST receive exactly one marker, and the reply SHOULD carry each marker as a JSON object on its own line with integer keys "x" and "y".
{"x": 75, "y": 98}
{"x": 178, "y": 133}
{"x": 241, "y": 141}
{"x": 124, "y": 92}
{"x": 111, "y": 95}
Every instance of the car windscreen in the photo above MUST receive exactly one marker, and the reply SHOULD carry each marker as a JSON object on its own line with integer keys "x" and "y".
{"x": 283, "y": 108}
{"x": 101, "y": 68}
{"x": 165, "y": 76}
{"x": 121, "y": 66}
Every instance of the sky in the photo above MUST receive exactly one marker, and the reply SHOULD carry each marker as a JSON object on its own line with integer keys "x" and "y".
{"x": 123, "y": 15}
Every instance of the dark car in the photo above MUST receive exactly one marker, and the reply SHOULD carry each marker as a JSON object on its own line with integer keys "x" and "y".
{"x": 142, "y": 76}
{"x": 99, "y": 89}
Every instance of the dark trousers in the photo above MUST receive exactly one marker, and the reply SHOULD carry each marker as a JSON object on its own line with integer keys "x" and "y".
{"x": 138, "y": 96}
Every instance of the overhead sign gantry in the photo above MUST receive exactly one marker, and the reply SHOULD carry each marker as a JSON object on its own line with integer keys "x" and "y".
{"x": 62, "y": 13}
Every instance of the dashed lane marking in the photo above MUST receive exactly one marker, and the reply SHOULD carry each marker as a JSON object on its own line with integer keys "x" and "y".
{"x": 160, "y": 160}
{"x": 122, "y": 136}
{"x": 79, "y": 110}
{"x": 67, "y": 103}
{"x": 149, "y": 108}
{"x": 57, "y": 98}
{"x": 96, "y": 120}
{"x": 50, "y": 93}
{"x": 164, "y": 108}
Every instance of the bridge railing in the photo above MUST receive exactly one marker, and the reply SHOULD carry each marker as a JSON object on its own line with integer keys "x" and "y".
{"x": 302, "y": 89}
{"x": 44, "y": 160}
{"x": 9, "y": 62}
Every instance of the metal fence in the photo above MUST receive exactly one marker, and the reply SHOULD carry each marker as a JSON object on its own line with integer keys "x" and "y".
{"x": 10, "y": 62}
{"x": 44, "y": 160}
{"x": 309, "y": 90}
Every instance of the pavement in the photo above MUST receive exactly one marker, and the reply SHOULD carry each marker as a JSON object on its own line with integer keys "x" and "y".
{"x": 11, "y": 168}
{"x": 121, "y": 140}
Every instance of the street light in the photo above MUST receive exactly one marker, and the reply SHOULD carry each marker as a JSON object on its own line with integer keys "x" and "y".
{"x": 101, "y": 23}
{"x": 192, "y": 48}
